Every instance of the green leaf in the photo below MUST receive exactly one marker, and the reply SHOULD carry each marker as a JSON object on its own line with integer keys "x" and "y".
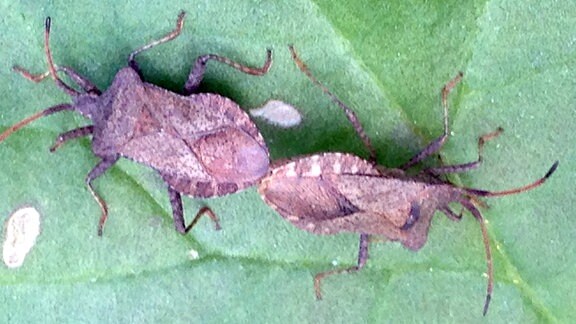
{"x": 388, "y": 61}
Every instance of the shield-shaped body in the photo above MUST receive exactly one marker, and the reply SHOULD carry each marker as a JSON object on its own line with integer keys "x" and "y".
{"x": 202, "y": 145}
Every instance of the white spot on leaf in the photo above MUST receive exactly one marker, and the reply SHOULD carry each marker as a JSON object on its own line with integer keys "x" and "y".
{"x": 278, "y": 113}
{"x": 21, "y": 230}
{"x": 193, "y": 254}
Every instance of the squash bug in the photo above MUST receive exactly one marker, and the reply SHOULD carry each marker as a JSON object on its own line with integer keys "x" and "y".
{"x": 202, "y": 145}
{"x": 331, "y": 193}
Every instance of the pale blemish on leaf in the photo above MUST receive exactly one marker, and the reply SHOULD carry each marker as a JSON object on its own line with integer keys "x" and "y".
{"x": 22, "y": 229}
{"x": 278, "y": 113}
{"x": 193, "y": 254}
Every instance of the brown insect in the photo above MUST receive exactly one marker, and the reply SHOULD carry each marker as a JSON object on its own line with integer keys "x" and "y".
{"x": 203, "y": 145}
{"x": 331, "y": 193}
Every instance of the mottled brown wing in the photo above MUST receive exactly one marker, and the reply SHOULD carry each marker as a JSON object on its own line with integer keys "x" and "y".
{"x": 397, "y": 208}
{"x": 303, "y": 199}
{"x": 393, "y": 206}
{"x": 302, "y": 190}
{"x": 202, "y": 145}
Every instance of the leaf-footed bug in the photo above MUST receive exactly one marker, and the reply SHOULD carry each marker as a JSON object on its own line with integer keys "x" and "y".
{"x": 203, "y": 145}
{"x": 331, "y": 193}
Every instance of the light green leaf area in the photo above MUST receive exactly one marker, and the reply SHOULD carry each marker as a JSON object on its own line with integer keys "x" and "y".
{"x": 388, "y": 61}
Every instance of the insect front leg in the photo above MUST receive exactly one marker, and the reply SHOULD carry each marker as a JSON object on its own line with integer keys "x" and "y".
{"x": 350, "y": 114}
{"x": 197, "y": 72}
{"x": 436, "y": 144}
{"x": 168, "y": 37}
{"x": 72, "y": 134}
{"x": 471, "y": 165}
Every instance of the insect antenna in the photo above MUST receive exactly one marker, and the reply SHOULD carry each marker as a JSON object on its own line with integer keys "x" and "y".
{"x": 467, "y": 203}
{"x": 38, "y": 78}
{"x": 28, "y": 120}
{"x": 489, "y": 264}
{"x": 486, "y": 193}
{"x": 51, "y": 67}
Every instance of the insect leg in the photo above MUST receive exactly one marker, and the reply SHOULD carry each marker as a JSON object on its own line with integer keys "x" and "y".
{"x": 436, "y": 144}
{"x": 168, "y": 37}
{"x": 201, "y": 212}
{"x": 72, "y": 134}
{"x": 450, "y": 213}
{"x": 362, "y": 258}
{"x": 197, "y": 73}
{"x": 490, "y": 268}
{"x": 177, "y": 210}
{"x": 97, "y": 171}
{"x": 471, "y": 165}
{"x": 350, "y": 114}
{"x": 178, "y": 213}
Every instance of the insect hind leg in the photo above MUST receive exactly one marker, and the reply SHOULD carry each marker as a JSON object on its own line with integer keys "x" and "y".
{"x": 178, "y": 213}
{"x": 362, "y": 258}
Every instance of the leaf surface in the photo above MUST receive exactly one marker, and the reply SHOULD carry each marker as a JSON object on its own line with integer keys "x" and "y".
{"x": 388, "y": 61}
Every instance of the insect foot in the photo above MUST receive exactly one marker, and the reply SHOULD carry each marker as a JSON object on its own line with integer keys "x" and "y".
{"x": 332, "y": 193}
{"x": 202, "y": 145}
